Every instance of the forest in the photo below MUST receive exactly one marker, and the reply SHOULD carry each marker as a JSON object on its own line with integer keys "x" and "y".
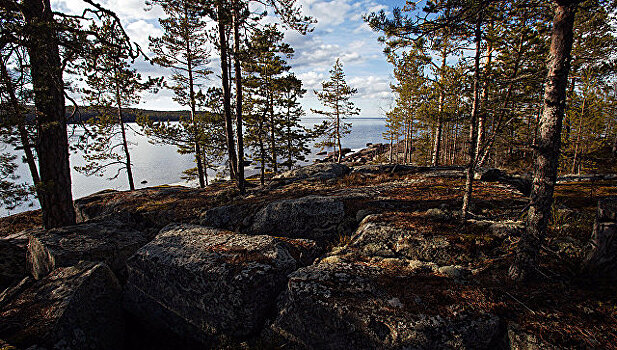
{"x": 523, "y": 91}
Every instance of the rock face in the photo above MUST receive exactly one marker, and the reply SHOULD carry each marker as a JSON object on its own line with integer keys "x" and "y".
{"x": 602, "y": 258}
{"x": 376, "y": 237}
{"x": 76, "y": 307}
{"x": 324, "y": 171}
{"x": 318, "y": 218}
{"x": 147, "y": 209}
{"x": 356, "y": 306}
{"x": 207, "y": 284}
{"x": 12, "y": 259}
{"x": 111, "y": 242}
{"x": 230, "y": 217}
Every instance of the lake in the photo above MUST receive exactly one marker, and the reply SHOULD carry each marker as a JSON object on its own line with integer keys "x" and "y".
{"x": 160, "y": 164}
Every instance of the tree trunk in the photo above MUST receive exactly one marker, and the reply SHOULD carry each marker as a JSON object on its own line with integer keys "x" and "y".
{"x": 52, "y": 147}
{"x": 238, "y": 69}
{"x": 484, "y": 101}
{"x": 578, "y": 137}
{"x": 229, "y": 133}
{"x": 472, "y": 123}
{"x": 437, "y": 143}
{"x": 196, "y": 146}
{"x": 548, "y": 142}
{"x": 272, "y": 136}
{"x": 125, "y": 146}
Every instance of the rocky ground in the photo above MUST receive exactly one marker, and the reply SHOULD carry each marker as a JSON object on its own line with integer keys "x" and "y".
{"x": 323, "y": 257}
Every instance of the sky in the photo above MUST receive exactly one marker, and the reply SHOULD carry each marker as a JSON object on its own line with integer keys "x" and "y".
{"x": 340, "y": 32}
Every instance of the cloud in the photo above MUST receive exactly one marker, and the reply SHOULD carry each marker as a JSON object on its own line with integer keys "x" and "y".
{"x": 371, "y": 87}
{"x": 139, "y": 31}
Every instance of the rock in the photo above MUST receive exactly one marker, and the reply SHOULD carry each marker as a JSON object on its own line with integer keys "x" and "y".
{"x": 111, "y": 242}
{"x": 518, "y": 339}
{"x": 12, "y": 259}
{"x": 601, "y": 261}
{"x": 323, "y": 171}
{"x": 319, "y": 218}
{"x": 146, "y": 209}
{"x": 208, "y": 284}
{"x": 438, "y": 214}
{"x": 230, "y": 217}
{"x": 522, "y": 183}
{"x": 501, "y": 229}
{"x": 77, "y": 307}
{"x": 360, "y": 306}
{"x": 453, "y": 271}
{"x": 379, "y": 236}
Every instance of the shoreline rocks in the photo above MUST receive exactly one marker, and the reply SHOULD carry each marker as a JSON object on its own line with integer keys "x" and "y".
{"x": 208, "y": 284}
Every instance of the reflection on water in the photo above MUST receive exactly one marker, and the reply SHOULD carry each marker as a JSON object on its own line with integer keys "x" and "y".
{"x": 155, "y": 164}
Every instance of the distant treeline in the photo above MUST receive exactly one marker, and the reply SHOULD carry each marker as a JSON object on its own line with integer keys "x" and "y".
{"x": 129, "y": 115}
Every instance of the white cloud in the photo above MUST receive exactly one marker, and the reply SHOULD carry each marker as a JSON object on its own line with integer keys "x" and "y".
{"x": 139, "y": 31}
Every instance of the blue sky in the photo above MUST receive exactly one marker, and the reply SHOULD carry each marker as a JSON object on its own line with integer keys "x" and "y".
{"x": 339, "y": 33}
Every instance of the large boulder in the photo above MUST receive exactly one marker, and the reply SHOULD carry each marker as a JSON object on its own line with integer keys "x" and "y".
{"x": 12, "y": 259}
{"x": 231, "y": 217}
{"x": 319, "y": 218}
{"x": 210, "y": 285}
{"x": 147, "y": 209}
{"x": 110, "y": 241}
{"x": 363, "y": 306}
{"x": 323, "y": 171}
{"x": 76, "y": 307}
{"x": 414, "y": 236}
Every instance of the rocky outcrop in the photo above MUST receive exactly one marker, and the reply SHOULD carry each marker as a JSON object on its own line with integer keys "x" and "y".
{"x": 324, "y": 171}
{"x": 12, "y": 259}
{"x": 230, "y": 217}
{"x": 111, "y": 242}
{"x": 439, "y": 171}
{"x": 147, "y": 209}
{"x": 363, "y": 306}
{"x": 209, "y": 285}
{"x": 320, "y": 218}
{"x": 519, "y": 339}
{"x": 76, "y": 307}
{"x": 377, "y": 237}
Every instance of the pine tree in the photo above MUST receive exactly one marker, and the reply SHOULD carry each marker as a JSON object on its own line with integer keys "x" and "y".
{"x": 336, "y": 96}
{"x": 263, "y": 72}
{"x": 294, "y": 137}
{"x": 112, "y": 87}
{"x": 184, "y": 48}
{"x": 206, "y": 129}
{"x": 548, "y": 146}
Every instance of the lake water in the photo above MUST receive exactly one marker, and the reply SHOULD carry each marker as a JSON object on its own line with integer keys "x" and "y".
{"x": 160, "y": 164}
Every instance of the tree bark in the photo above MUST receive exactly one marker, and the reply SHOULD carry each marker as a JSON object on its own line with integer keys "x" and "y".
{"x": 229, "y": 133}
{"x": 473, "y": 120}
{"x": 548, "y": 142}
{"x": 438, "y": 132}
{"x": 238, "y": 71}
{"x": 52, "y": 146}
{"x": 125, "y": 146}
{"x": 484, "y": 101}
{"x": 579, "y": 135}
